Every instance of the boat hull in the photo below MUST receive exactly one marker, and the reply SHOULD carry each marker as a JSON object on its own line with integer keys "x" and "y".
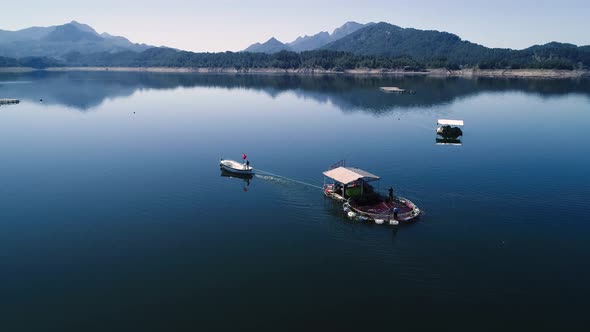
{"x": 408, "y": 211}
{"x": 381, "y": 212}
{"x": 244, "y": 176}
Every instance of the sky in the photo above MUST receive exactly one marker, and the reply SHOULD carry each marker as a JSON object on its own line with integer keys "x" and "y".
{"x": 221, "y": 25}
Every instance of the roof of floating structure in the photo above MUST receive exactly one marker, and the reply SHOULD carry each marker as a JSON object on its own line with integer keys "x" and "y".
{"x": 450, "y": 122}
{"x": 347, "y": 175}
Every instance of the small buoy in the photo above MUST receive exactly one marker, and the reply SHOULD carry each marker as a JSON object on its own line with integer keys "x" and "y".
{"x": 133, "y": 112}
{"x": 379, "y": 221}
{"x": 40, "y": 99}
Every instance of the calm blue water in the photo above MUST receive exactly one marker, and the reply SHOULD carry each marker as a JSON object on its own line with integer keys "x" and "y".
{"x": 114, "y": 216}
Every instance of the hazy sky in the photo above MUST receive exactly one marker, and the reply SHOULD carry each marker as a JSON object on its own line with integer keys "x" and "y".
{"x": 219, "y": 25}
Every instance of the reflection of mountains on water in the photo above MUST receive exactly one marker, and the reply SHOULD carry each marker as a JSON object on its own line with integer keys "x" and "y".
{"x": 86, "y": 90}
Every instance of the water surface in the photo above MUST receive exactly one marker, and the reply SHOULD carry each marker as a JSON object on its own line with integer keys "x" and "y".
{"x": 114, "y": 214}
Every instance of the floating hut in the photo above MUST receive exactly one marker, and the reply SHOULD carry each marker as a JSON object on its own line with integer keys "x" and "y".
{"x": 449, "y": 128}
{"x": 449, "y": 131}
{"x": 362, "y": 201}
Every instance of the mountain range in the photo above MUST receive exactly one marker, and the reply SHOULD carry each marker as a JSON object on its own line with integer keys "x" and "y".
{"x": 351, "y": 46}
{"x": 307, "y": 43}
{"x": 56, "y": 41}
{"x": 431, "y": 47}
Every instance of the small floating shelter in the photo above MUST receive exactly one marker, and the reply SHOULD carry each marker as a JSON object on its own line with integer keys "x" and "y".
{"x": 449, "y": 130}
{"x": 395, "y": 89}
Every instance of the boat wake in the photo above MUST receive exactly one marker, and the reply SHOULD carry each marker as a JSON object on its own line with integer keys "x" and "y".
{"x": 279, "y": 178}
{"x": 270, "y": 178}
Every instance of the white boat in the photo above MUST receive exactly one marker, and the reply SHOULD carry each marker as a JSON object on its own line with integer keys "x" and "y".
{"x": 235, "y": 167}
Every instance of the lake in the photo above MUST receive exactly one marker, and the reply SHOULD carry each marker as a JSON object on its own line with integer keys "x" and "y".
{"x": 114, "y": 213}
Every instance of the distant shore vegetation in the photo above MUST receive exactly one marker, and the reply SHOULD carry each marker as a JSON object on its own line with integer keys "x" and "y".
{"x": 543, "y": 58}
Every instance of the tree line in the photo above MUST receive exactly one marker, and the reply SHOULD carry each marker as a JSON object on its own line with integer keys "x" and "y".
{"x": 543, "y": 58}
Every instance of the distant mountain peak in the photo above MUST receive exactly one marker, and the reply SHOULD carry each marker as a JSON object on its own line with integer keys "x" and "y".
{"x": 272, "y": 45}
{"x": 308, "y": 42}
{"x": 82, "y": 27}
{"x": 56, "y": 41}
{"x": 349, "y": 24}
{"x": 386, "y": 39}
{"x": 273, "y": 40}
{"x": 71, "y": 33}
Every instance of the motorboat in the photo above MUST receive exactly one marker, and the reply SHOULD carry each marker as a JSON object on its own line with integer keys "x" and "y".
{"x": 236, "y": 167}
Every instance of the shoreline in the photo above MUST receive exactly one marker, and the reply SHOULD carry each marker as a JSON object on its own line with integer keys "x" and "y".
{"x": 440, "y": 72}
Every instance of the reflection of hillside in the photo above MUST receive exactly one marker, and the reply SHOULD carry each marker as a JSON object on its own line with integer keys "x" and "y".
{"x": 85, "y": 90}
{"x": 76, "y": 90}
